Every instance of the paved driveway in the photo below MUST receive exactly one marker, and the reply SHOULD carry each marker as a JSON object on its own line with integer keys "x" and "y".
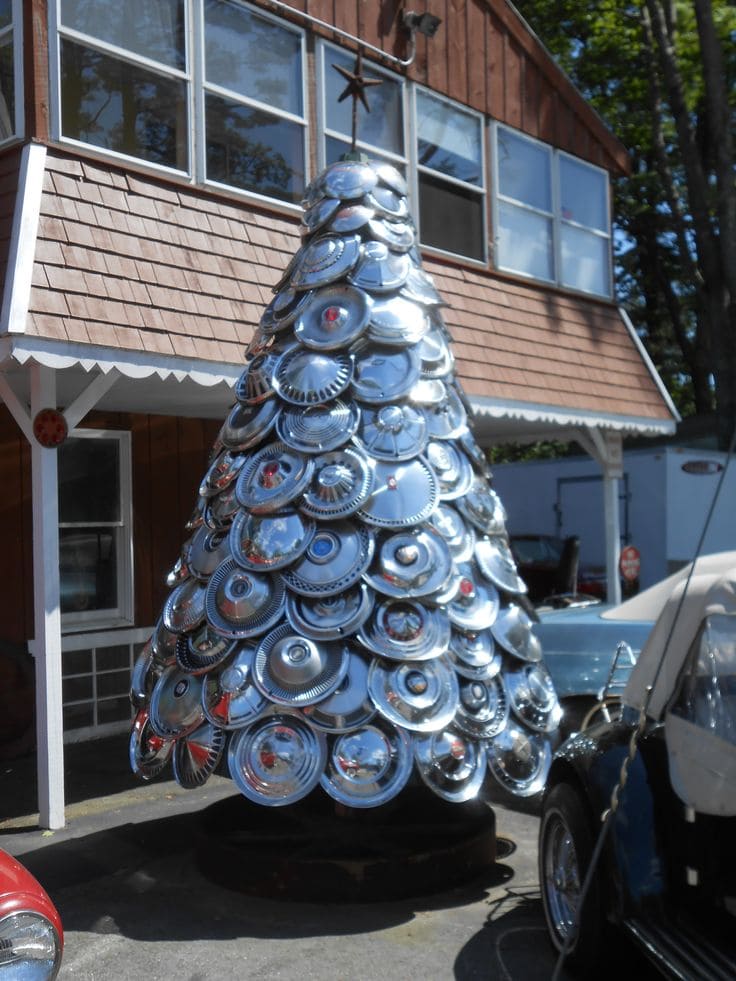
{"x": 136, "y": 904}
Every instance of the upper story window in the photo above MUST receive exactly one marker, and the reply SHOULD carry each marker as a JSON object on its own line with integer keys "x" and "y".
{"x": 10, "y": 69}
{"x": 95, "y": 544}
{"x": 123, "y": 81}
{"x": 216, "y": 90}
{"x": 446, "y": 167}
{"x": 450, "y": 176}
{"x": 129, "y": 82}
{"x": 254, "y": 102}
{"x": 552, "y": 218}
{"x": 380, "y": 132}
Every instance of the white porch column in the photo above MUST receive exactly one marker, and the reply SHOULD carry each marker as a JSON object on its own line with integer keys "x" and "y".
{"x": 613, "y": 536}
{"x": 607, "y": 449}
{"x": 47, "y": 615}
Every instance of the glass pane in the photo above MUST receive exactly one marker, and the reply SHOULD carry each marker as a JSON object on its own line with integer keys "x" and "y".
{"x": 449, "y": 140}
{"x": 335, "y": 148}
{"x": 583, "y": 194}
{"x": 383, "y": 126}
{"x": 77, "y": 689}
{"x": 524, "y": 170}
{"x": 76, "y": 662}
{"x": 88, "y": 569}
{"x": 6, "y": 12}
{"x": 89, "y": 480}
{"x": 708, "y": 695}
{"x": 109, "y": 658}
{"x": 236, "y": 41}
{"x": 117, "y": 106}
{"x": 114, "y": 710}
{"x": 450, "y": 217}
{"x": 114, "y": 683}
{"x": 524, "y": 242}
{"x": 77, "y": 716}
{"x": 7, "y": 91}
{"x": 151, "y": 28}
{"x": 254, "y": 150}
{"x": 585, "y": 262}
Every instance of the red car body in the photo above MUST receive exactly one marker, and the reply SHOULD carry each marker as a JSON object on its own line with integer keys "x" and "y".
{"x": 21, "y": 893}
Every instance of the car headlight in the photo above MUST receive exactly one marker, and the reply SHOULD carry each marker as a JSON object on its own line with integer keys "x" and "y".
{"x": 29, "y": 948}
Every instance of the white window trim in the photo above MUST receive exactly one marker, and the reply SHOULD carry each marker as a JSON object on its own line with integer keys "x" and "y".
{"x": 324, "y": 132}
{"x": 555, "y": 216}
{"x": 194, "y": 78}
{"x": 417, "y": 168}
{"x": 16, "y": 30}
{"x": 123, "y": 614}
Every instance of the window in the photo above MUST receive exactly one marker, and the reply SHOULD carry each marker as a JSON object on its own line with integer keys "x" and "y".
{"x": 707, "y": 695}
{"x": 130, "y": 83}
{"x": 450, "y": 168}
{"x": 95, "y": 547}
{"x": 96, "y": 669}
{"x": 10, "y": 69}
{"x": 254, "y": 110}
{"x": 380, "y": 132}
{"x": 122, "y": 78}
{"x": 450, "y": 176}
{"x": 552, "y": 219}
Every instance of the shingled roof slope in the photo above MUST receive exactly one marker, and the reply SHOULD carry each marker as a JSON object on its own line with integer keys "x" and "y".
{"x": 519, "y": 342}
{"x": 132, "y": 264}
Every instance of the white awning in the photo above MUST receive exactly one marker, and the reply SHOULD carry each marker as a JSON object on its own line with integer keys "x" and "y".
{"x": 511, "y": 421}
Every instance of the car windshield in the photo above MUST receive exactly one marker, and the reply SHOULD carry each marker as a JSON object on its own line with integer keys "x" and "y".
{"x": 707, "y": 697}
{"x": 538, "y": 549}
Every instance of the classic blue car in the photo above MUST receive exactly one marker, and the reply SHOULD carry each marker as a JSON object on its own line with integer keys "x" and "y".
{"x": 666, "y": 874}
{"x": 589, "y": 648}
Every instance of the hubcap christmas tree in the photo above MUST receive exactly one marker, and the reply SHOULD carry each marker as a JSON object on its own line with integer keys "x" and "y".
{"x": 346, "y": 610}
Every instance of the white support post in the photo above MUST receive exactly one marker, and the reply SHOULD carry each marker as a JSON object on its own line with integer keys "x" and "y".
{"x": 613, "y": 537}
{"x": 47, "y": 614}
{"x": 606, "y": 448}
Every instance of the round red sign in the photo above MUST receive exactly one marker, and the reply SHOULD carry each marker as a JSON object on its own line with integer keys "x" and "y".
{"x": 50, "y": 428}
{"x": 629, "y": 563}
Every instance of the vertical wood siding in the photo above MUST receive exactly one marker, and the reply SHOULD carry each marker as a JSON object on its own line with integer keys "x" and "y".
{"x": 9, "y": 170}
{"x": 484, "y": 56}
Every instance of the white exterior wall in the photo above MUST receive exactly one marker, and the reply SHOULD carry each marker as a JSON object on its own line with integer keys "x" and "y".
{"x": 689, "y": 500}
{"x": 667, "y": 506}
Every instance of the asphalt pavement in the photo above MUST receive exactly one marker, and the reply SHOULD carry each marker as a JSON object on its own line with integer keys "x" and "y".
{"x": 150, "y": 885}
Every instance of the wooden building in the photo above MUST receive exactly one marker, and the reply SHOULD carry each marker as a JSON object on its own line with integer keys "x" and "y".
{"x": 153, "y": 155}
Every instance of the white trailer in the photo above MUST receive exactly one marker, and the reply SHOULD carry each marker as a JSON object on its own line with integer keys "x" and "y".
{"x": 664, "y": 498}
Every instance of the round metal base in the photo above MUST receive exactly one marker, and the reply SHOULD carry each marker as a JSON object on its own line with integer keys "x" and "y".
{"x": 320, "y": 851}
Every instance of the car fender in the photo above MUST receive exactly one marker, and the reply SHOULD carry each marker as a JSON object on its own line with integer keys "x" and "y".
{"x": 19, "y": 891}
{"x": 630, "y": 859}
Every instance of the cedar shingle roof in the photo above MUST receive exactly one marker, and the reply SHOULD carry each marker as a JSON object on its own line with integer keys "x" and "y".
{"x": 128, "y": 263}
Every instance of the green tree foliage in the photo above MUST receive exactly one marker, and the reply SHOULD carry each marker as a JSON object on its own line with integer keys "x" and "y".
{"x": 662, "y": 73}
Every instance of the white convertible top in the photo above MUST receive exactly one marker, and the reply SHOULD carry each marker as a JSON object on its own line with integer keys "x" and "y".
{"x": 711, "y": 589}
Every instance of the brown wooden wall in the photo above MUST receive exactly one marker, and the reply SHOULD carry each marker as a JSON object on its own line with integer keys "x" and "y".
{"x": 484, "y": 56}
{"x": 169, "y": 456}
{"x": 9, "y": 170}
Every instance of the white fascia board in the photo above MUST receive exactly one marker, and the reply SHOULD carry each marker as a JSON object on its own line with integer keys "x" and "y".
{"x": 649, "y": 364}
{"x": 23, "y": 235}
{"x": 552, "y": 415}
{"x": 132, "y": 364}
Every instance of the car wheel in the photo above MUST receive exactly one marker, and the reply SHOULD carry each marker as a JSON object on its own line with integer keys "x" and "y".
{"x": 566, "y": 844}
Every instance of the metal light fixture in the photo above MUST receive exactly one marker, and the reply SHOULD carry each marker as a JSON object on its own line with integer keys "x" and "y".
{"x": 426, "y": 24}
